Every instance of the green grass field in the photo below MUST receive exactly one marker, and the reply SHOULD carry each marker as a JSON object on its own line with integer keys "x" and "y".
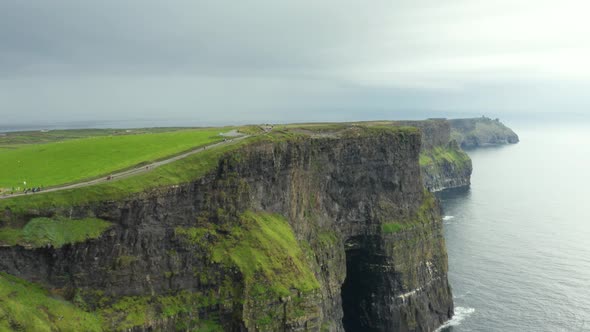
{"x": 181, "y": 171}
{"x": 13, "y": 140}
{"x": 74, "y": 160}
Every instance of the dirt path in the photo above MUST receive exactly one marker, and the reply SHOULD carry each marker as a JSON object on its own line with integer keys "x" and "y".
{"x": 133, "y": 171}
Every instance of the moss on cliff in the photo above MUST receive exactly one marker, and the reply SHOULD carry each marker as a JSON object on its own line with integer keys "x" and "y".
{"x": 25, "y": 306}
{"x": 273, "y": 266}
{"x": 137, "y": 311}
{"x": 40, "y": 232}
{"x": 264, "y": 249}
{"x": 445, "y": 167}
{"x": 422, "y": 216}
{"x": 393, "y": 227}
{"x": 441, "y": 154}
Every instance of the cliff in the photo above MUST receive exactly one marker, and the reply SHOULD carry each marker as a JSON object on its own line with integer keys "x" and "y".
{"x": 478, "y": 132}
{"x": 443, "y": 163}
{"x": 303, "y": 230}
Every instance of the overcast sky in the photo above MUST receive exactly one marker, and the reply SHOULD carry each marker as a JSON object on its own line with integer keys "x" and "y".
{"x": 221, "y": 61}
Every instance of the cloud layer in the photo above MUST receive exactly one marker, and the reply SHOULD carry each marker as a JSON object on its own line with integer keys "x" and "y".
{"x": 219, "y": 61}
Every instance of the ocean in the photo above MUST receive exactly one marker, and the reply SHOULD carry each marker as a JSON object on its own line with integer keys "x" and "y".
{"x": 518, "y": 239}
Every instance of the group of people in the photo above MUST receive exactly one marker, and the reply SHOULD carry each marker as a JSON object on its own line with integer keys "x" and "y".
{"x": 32, "y": 190}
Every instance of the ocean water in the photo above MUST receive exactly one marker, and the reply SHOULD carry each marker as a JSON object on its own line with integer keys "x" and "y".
{"x": 519, "y": 239}
{"x": 119, "y": 124}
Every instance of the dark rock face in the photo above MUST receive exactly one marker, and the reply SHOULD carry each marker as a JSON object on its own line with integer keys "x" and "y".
{"x": 435, "y": 132}
{"x": 336, "y": 193}
{"x": 444, "y": 165}
{"x": 478, "y": 132}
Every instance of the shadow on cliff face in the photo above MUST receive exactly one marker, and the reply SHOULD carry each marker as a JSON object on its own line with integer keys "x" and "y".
{"x": 360, "y": 286}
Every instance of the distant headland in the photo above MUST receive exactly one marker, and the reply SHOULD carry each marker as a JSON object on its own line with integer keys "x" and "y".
{"x": 477, "y": 132}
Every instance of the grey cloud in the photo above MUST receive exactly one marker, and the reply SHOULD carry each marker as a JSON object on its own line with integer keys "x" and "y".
{"x": 256, "y": 60}
{"x": 150, "y": 35}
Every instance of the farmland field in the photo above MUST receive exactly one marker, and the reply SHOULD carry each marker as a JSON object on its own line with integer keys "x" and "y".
{"x": 12, "y": 140}
{"x": 73, "y": 160}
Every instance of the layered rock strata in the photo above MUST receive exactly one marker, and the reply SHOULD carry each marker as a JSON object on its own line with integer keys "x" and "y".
{"x": 297, "y": 233}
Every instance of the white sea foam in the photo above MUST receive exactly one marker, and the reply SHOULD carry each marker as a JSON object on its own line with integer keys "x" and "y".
{"x": 445, "y": 218}
{"x": 460, "y": 314}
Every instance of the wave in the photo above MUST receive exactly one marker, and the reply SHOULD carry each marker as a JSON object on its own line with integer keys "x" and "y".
{"x": 461, "y": 314}
{"x": 446, "y": 218}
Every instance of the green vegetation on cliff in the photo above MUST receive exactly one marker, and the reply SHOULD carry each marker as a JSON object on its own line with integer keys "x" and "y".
{"x": 74, "y": 160}
{"x": 138, "y": 311}
{"x": 445, "y": 167}
{"x": 440, "y": 154}
{"x": 272, "y": 266}
{"x": 394, "y": 227}
{"x": 40, "y": 232}
{"x": 422, "y": 216}
{"x": 264, "y": 249}
{"x": 25, "y": 306}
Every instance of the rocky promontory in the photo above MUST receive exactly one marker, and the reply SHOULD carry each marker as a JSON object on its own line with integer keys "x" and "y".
{"x": 478, "y": 132}
{"x": 321, "y": 228}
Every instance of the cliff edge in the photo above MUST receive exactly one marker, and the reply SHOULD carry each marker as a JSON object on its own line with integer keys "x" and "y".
{"x": 305, "y": 229}
{"x": 443, "y": 163}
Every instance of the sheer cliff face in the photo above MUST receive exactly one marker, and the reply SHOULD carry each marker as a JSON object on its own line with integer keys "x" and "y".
{"x": 367, "y": 255}
{"x": 444, "y": 165}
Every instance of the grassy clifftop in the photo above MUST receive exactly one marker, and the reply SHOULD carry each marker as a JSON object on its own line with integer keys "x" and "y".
{"x": 178, "y": 172}
{"x": 441, "y": 154}
{"x": 445, "y": 167}
{"x": 181, "y": 171}
{"x": 51, "y": 164}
